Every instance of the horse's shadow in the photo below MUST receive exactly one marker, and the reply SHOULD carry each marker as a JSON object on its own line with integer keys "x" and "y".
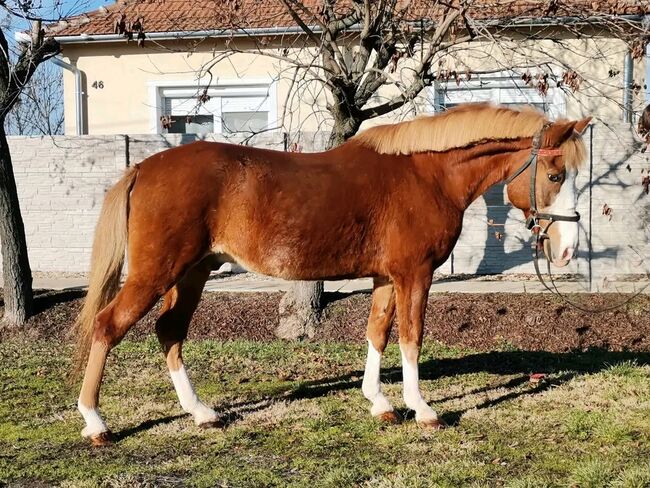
{"x": 561, "y": 366}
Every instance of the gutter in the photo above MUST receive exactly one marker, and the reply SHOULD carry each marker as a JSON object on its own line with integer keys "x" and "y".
{"x": 628, "y": 73}
{"x": 647, "y": 74}
{"x": 78, "y": 92}
{"x": 84, "y": 38}
{"x": 295, "y": 30}
{"x": 561, "y": 21}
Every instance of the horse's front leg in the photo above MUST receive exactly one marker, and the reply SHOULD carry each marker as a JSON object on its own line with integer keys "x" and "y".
{"x": 412, "y": 292}
{"x": 379, "y": 325}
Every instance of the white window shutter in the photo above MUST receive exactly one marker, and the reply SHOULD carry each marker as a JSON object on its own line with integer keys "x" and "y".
{"x": 244, "y": 104}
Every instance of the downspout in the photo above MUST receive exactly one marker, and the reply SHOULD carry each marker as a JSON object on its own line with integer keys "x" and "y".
{"x": 24, "y": 38}
{"x": 628, "y": 68}
{"x": 647, "y": 74}
{"x": 78, "y": 92}
{"x": 646, "y": 27}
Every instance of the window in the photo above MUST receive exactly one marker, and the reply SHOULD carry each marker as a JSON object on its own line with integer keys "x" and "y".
{"x": 505, "y": 88}
{"x": 244, "y": 114}
{"x": 192, "y": 124}
{"x": 229, "y": 109}
{"x": 233, "y": 122}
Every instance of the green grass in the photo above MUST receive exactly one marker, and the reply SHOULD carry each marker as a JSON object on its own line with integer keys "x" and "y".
{"x": 295, "y": 416}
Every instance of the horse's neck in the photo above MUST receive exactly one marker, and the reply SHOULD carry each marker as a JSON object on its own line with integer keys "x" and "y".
{"x": 470, "y": 172}
{"x": 484, "y": 173}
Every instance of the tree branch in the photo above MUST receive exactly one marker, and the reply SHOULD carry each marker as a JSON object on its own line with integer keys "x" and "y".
{"x": 40, "y": 49}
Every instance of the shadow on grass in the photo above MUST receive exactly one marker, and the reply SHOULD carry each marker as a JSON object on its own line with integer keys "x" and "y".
{"x": 563, "y": 367}
{"x": 146, "y": 425}
{"x": 522, "y": 363}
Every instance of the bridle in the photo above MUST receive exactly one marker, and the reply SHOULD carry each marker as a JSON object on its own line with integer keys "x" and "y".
{"x": 541, "y": 233}
{"x": 533, "y": 220}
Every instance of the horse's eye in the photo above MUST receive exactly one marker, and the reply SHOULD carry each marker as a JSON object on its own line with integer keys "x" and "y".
{"x": 555, "y": 178}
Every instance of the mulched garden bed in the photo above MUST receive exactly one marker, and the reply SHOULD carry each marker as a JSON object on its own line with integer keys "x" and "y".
{"x": 478, "y": 321}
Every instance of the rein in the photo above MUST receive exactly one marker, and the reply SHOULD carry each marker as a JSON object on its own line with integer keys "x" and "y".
{"x": 540, "y": 233}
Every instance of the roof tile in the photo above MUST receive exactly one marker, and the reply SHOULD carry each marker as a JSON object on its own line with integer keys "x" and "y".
{"x": 196, "y": 15}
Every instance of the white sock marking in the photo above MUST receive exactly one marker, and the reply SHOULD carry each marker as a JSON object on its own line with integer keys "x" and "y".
{"x": 412, "y": 396}
{"x": 189, "y": 400}
{"x": 94, "y": 423}
{"x": 371, "y": 386}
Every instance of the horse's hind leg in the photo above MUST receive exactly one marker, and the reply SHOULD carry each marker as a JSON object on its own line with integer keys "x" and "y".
{"x": 379, "y": 325}
{"x": 131, "y": 303}
{"x": 171, "y": 328}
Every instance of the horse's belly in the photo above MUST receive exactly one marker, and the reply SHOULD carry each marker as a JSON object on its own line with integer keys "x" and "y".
{"x": 291, "y": 263}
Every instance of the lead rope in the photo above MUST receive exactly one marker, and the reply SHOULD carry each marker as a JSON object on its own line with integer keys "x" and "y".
{"x": 536, "y": 246}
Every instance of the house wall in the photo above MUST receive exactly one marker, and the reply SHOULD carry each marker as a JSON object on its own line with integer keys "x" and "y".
{"x": 129, "y": 76}
{"x": 61, "y": 183}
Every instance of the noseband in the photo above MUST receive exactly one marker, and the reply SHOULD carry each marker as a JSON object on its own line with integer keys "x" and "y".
{"x": 533, "y": 221}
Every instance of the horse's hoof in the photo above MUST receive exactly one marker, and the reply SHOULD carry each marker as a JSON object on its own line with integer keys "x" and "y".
{"x": 391, "y": 417}
{"x": 102, "y": 439}
{"x": 431, "y": 424}
{"x": 211, "y": 424}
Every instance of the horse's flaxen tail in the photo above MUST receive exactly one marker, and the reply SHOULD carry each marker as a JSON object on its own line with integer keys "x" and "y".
{"x": 111, "y": 235}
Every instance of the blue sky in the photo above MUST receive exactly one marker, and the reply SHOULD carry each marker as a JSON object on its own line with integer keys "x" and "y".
{"x": 78, "y": 6}
{"x": 50, "y": 9}
{"x": 54, "y": 9}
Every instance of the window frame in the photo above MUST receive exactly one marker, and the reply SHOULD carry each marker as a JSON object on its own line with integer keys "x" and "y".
{"x": 161, "y": 89}
{"x": 496, "y": 85}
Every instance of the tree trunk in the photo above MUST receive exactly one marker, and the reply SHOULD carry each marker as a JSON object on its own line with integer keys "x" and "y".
{"x": 17, "y": 275}
{"x": 300, "y": 310}
{"x": 301, "y": 306}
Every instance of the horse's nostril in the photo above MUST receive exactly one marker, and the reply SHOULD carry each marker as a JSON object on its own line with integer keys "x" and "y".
{"x": 567, "y": 254}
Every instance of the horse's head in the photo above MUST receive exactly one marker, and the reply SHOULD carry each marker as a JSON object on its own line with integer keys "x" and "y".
{"x": 550, "y": 204}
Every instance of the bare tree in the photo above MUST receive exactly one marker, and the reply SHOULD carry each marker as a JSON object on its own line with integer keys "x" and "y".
{"x": 369, "y": 58}
{"x": 18, "y": 63}
{"x": 362, "y": 48}
{"x": 16, "y": 70}
{"x": 354, "y": 52}
{"x": 39, "y": 109}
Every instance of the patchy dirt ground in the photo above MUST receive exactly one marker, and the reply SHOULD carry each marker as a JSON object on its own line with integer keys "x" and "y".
{"x": 477, "y": 321}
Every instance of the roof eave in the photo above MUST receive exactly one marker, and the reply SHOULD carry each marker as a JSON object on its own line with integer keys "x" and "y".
{"x": 295, "y": 30}
{"x": 181, "y": 35}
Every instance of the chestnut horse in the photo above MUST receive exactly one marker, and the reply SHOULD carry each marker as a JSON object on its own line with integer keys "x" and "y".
{"x": 387, "y": 204}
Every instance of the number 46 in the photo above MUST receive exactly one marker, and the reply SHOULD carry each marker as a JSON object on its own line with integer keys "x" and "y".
{"x": 98, "y": 84}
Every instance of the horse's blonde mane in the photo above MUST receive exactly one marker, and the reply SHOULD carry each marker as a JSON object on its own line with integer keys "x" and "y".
{"x": 460, "y": 127}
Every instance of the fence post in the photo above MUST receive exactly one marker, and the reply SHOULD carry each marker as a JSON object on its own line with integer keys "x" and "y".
{"x": 127, "y": 150}
{"x": 591, "y": 184}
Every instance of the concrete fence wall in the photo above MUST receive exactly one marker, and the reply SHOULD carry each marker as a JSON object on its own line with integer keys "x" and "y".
{"x": 62, "y": 179}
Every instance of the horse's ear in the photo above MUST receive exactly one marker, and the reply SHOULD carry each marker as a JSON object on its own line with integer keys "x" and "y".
{"x": 582, "y": 125}
{"x": 557, "y": 133}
